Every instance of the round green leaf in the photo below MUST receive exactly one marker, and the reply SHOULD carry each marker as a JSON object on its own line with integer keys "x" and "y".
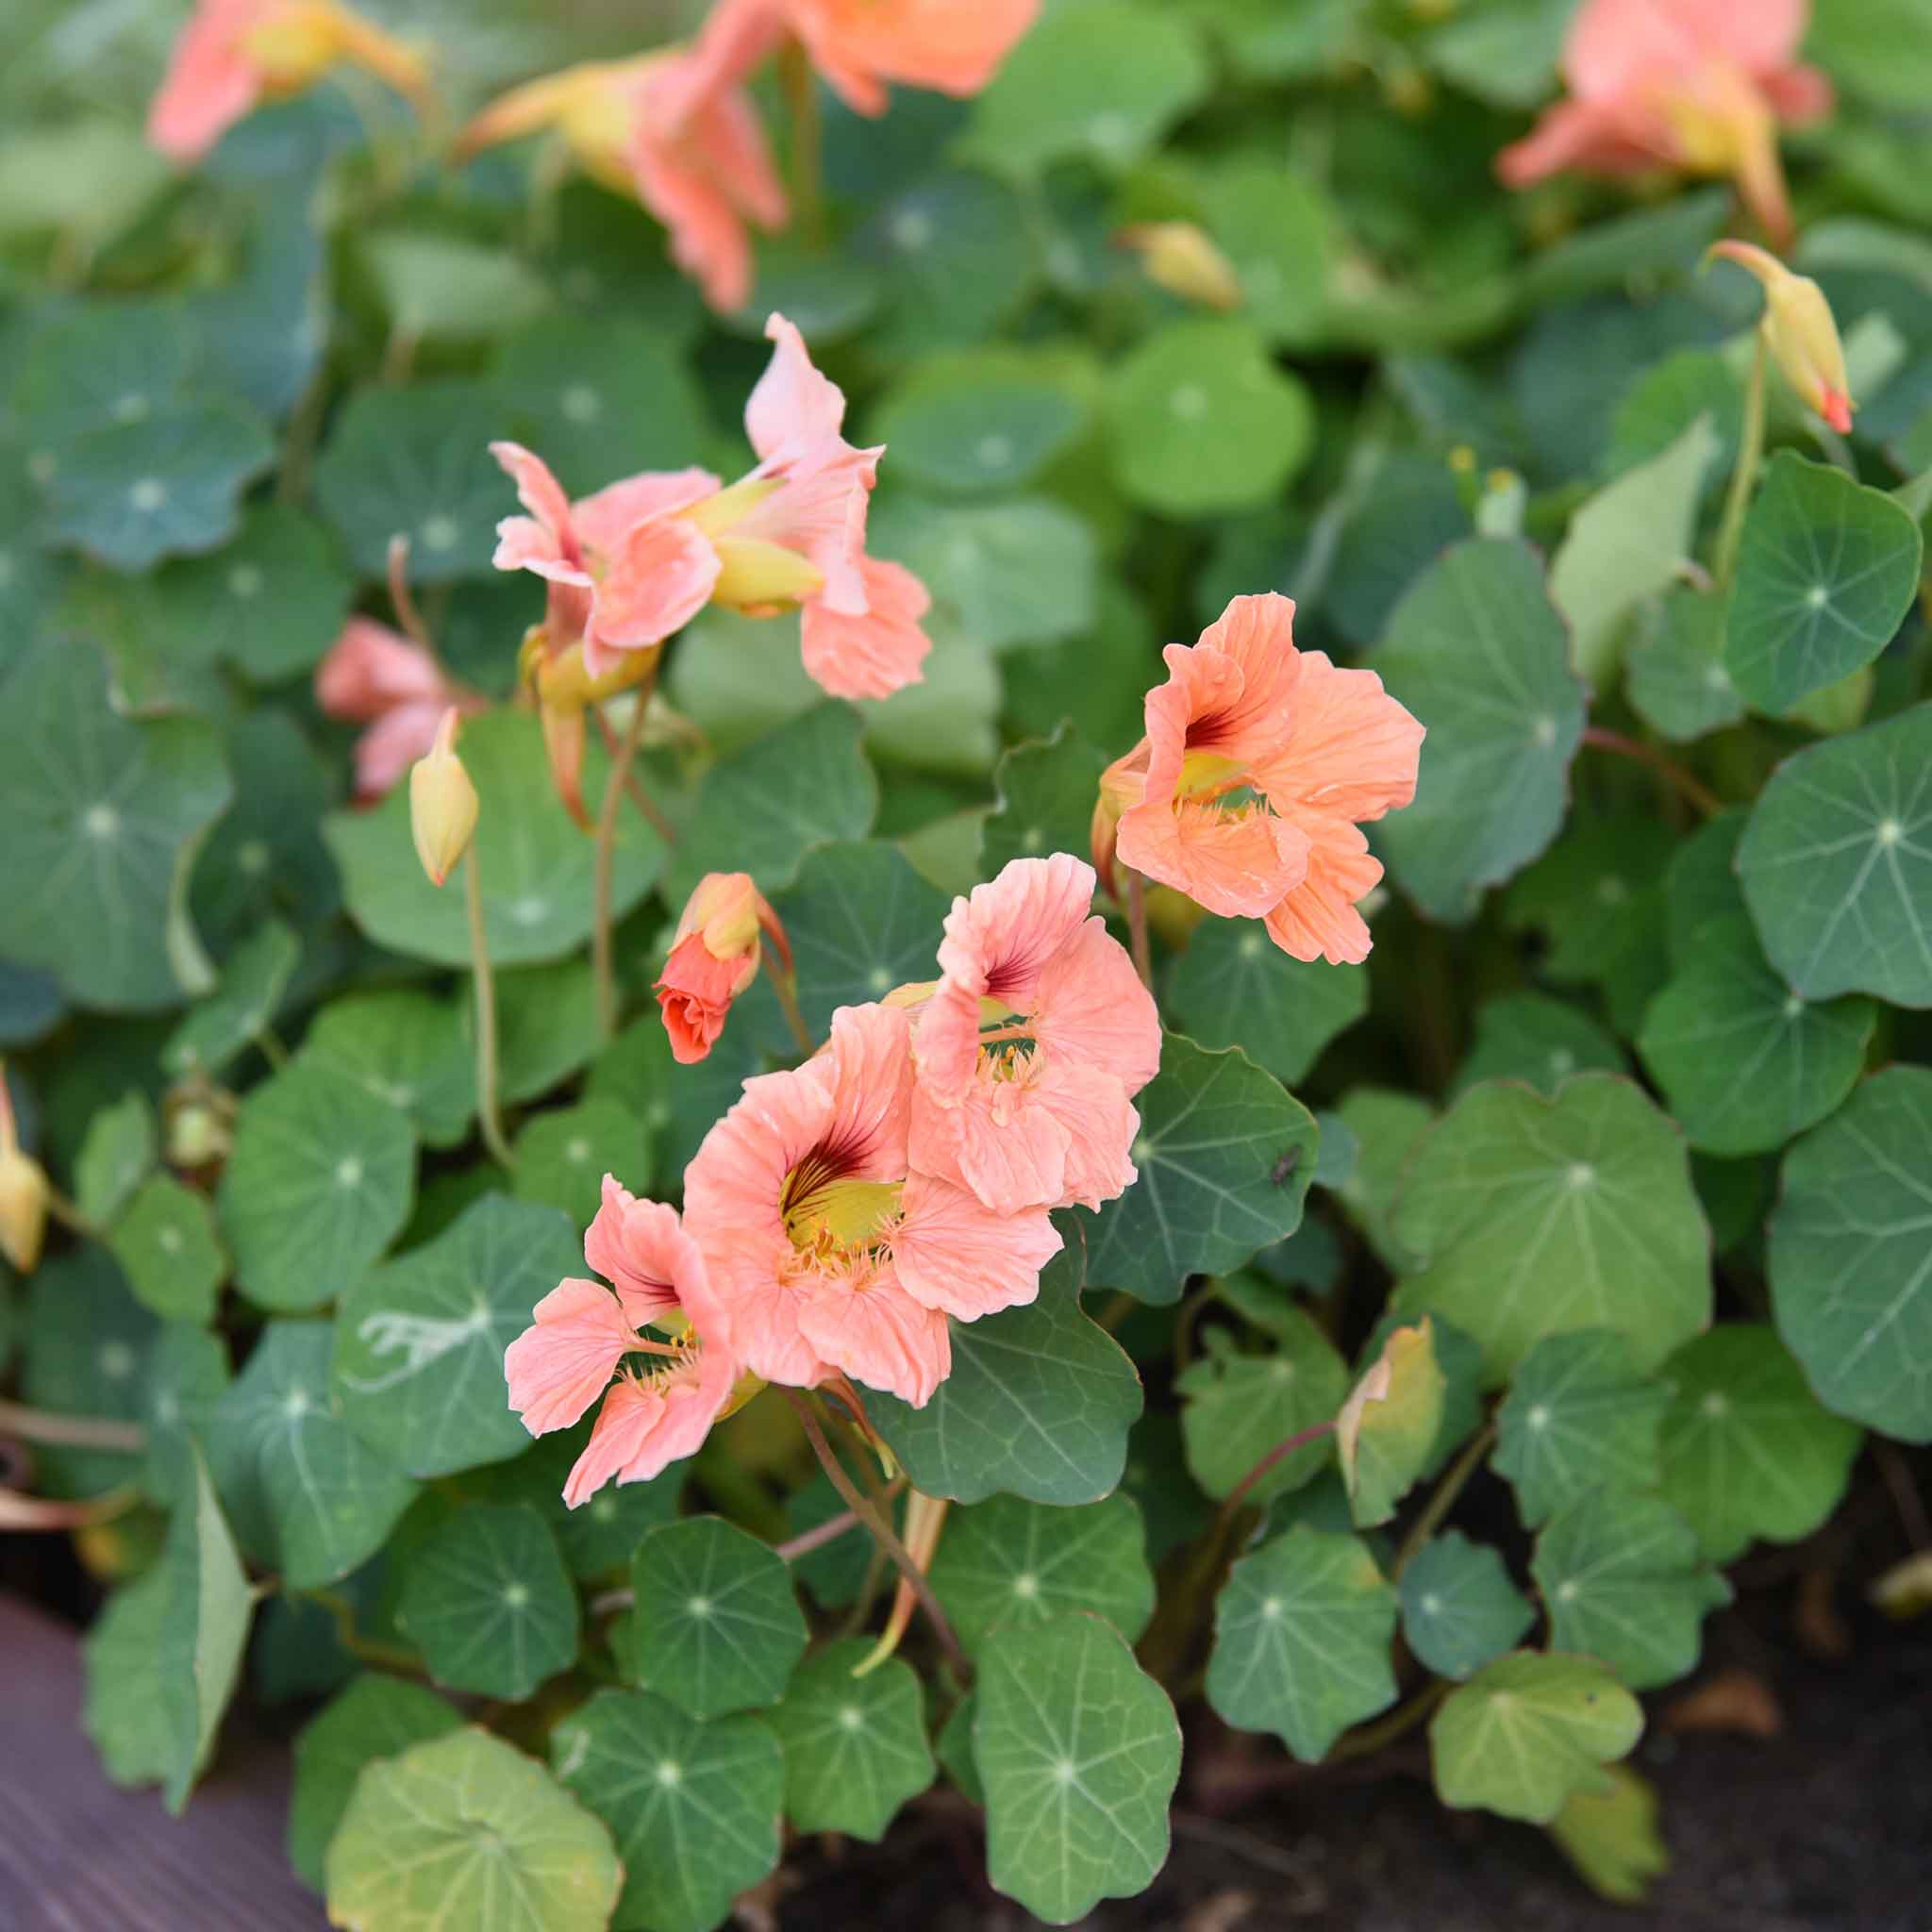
{"x": 239, "y": 1009}
{"x": 98, "y": 364}
{"x": 1238, "y": 1407}
{"x": 464, "y": 1830}
{"x": 563, "y": 1155}
{"x": 129, "y": 1725}
{"x": 185, "y": 1375}
{"x": 1233, "y": 987}
{"x": 1528, "y": 1731}
{"x": 1386, "y": 1127}
{"x": 1744, "y": 1062}
{"x": 420, "y": 1341}
{"x": 87, "y": 1347}
{"x": 168, "y": 1250}
{"x": 1837, "y": 864}
{"x": 405, "y": 1049}
{"x": 1079, "y": 1751}
{"x": 1850, "y": 1283}
{"x": 1675, "y": 675}
{"x": 1538, "y": 1216}
{"x": 1203, "y": 422}
{"x": 1302, "y": 1634}
{"x": 1826, "y": 572}
{"x": 979, "y": 422}
{"x": 485, "y": 1598}
{"x": 318, "y": 1184}
{"x": 1460, "y": 1610}
{"x": 440, "y": 287}
{"x": 1045, "y": 791}
{"x": 1006, "y": 1562}
{"x": 1746, "y": 1451}
{"x": 1701, "y": 882}
{"x": 693, "y": 1806}
{"x": 1278, "y": 232}
{"x": 308, "y": 1498}
{"x": 1387, "y": 1430}
{"x": 536, "y": 864}
{"x": 1478, "y": 654}
{"x": 1540, "y": 1041}
{"x": 717, "y": 1626}
{"x": 855, "y": 1747}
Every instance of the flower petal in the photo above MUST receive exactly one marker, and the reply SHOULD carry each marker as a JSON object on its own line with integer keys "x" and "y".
{"x": 660, "y": 577}
{"x": 955, "y": 1254}
{"x": 564, "y": 1360}
{"x": 872, "y": 656}
{"x": 641, "y": 1249}
{"x": 871, "y": 1329}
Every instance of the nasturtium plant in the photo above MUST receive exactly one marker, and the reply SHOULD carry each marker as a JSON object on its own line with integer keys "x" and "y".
{"x": 889, "y": 916}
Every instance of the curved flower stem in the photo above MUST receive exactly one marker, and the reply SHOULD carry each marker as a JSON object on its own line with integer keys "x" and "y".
{"x": 1446, "y": 1492}
{"x": 1750, "y": 454}
{"x": 71, "y": 1431}
{"x": 1692, "y": 790}
{"x": 603, "y": 942}
{"x": 883, "y": 1532}
{"x": 1281, "y": 1451}
{"x": 69, "y": 1216}
{"x": 402, "y": 599}
{"x": 19, "y": 1511}
{"x": 785, "y": 986}
{"x": 807, "y": 140}
{"x": 486, "y": 1115}
{"x": 1136, "y": 928}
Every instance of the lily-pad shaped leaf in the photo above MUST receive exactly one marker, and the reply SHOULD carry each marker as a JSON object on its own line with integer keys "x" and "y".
{"x": 1386, "y": 1127}
{"x": 319, "y": 1183}
{"x": 1006, "y": 1562}
{"x": 1046, "y": 790}
{"x": 1837, "y": 864}
{"x": 441, "y": 288}
{"x": 485, "y": 1598}
{"x": 239, "y": 1009}
{"x": 118, "y": 1154}
{"x": 102, "y": 813}
{"x": 1301, "y": 1636}
{"x": 1079, "y": 1751}
{"x": 536, "y": 866}
{"x": 1849, "y": 1282}
{"x": 1745, "y": 1448}
{"x": 1826, "y": 572}
{"x": 717, "y": 1626}
{"x": 1478, "y": 653}
{"x": 407, "y": 1050}
{"x": 1226, "y": 1155}
{"x": 1528, "y": 1731}
{"x": 1460, "y": 1610}
{"x": 1539, "y": 1216}
{"x": 420, "y": 1340}
{"x": 1675, "y": 675}
{"x": 168, "y": 1249}
{"x": 694, "y": 1807}
{"x": 1238, "y": 1407}
{"x": 372, "y": 1719}
{"x": 546, "y": 1018}
{"x": 1579, "y": 1413}
{"x": 465, "y": 1830}
{"x": 415, "y": 462}
{"x": 163, "y": 486}
{"x": 95, "y": 365}
{"x": 1038, "y": 1405}
{"x": 1612, "y": 1836}
{"x": 563, "y": 1155}
{"x": 1235, "y": 987}
{"x": 1744, "y": 1062}
{"x": 308, "y": 1498}
{"x": 1625, "y": 1581}
{"x": 855, "y": 1747}
{"x": 130, "y": 1726}
{"x": 1701, "y": 882}
{"x": 1540, "y": 1041}
{"x": 1388, "y": 1427}
{"x": 980, "y": 423}
{"x": 185, "y": 1375}
{"x": 89, "y": 1344}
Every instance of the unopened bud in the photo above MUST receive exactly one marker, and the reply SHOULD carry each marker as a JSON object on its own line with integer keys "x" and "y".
{"x": 1800, "y": 332}
{"x": 442, "y": 804}
{"x": 714, "y": 957}
{"x": 197, "y": 1135}
{"x": 23, "y": 1194}
{"x": 1179, "y": 258}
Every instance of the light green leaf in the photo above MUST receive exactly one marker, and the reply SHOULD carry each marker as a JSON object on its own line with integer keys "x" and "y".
{"x": 440, "y": 287}
{"x": 119, "y": 1152}
{"x": 1837, "y": 864}
{"x": 318, "y": 1185}
{"x": 420, "y": 1341}
{"x": 1676, "y": 676}
{"x": 1528, "y": 1731}
{"x": 1476, "y": 651}
{"x": 547, "y": 1028}
{"x": 1612, "y": 1836}
{"x": 1459, "y": 1610}
{"x": 717, "y": 1626}
{"x": 130, "y": 1726}
{"x": 693, "y": 1806}
{"x": 1746, "y": 1451}
{"x": 1539, "y": 1216}
{"x": 1238, "y": 1407}
{"x": 184, "y": 1376}
{"x": 1233, "y": 987}
{"x": 1701, "y": 882}
{"x": 240, "y": 1008}
{"x": 405, "y": 1049}
{"x": 485, "y": 1598}
{"x": 982, "y": 422}
{"x": 860, "y": 922}
{"x": 1047, "y": 789}
{"x": 167, "y": 1247}
{"x": 1826, "y": 572}
{"x": 1079, "y": 1753}
{"x": 1533, "y": 1037}
{"x": 1280, "y": 234}
{"x": 464, "y": 1830}
{"x": 1624, "y": 1581}
{"x": 1006, "y": 1562}
{"x": 1386, "y": 1127}
{"x": 1850, "y": 1283}
{"x": 308, "y": 1498}
{"x": 94, "y": 365}
{"x": 1579, "y": 1413}
{"x": 955, "y": 256}
{"x": 1302, "y": 1634}
{"x": 1744, "y": 1062}
{"x": 1387, "y": 1429}
{"x": 1225, "y": 1155}
{"x": 563, "y": 1155}
{"x": 855, "y": 1747}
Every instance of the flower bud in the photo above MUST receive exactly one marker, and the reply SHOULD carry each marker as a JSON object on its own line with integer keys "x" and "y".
{"x": 1800, "y": 332}
{"x": 442, "y": 804}
{"x": 23, "y": 1194}
{"x": 1179, "y": 258}
{"x": 714, "y": 956}
{"x": 757, "y": 577}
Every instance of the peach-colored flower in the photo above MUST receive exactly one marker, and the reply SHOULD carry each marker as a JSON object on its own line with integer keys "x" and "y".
{"x": 235, "y": 54}
{"x": 670, "y": 1386}
{"x": 714, "y": 956}
{"x": 1699, "y": 85}
{"x": 1259, "y": 763}
{"x": 1035, "y": 1112}
{"x": 372, "y": 675}
{"x": 830, "y": 1253}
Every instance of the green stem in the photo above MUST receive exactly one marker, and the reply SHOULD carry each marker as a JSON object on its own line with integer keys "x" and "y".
{"x": 807, "y": 140}
{"x": 785, "y": 986}
{"x": 1405, "y": 1717}
{"x": 1448, "y": 1491}
{"x": 486, "y": 1015}
{"x": 603, "y": 938}
{"x": 1136, "y": 928}
{"x": 1750, "y": 454}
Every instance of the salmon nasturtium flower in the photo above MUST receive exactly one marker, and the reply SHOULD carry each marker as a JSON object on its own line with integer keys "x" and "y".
{"x": 1800, "y": 332}
{"x": 374, "y": 676}
{"x": 657, "y": 1329}
{"x": 829, "y": 1252}
{"x": 1032, "y": 1046}
{"x": 1259, "y": 765}
{"x": 714, "y": 957}
{"x": 233, "y": 55}
{"x": 1700, "y": 85}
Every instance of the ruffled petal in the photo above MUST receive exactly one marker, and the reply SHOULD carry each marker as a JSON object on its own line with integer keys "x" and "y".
{"x": 1318, "y": 920}
{"x": 641, "y": 1249}
{"x": 793, "y": 408}
{"x": 955, "y": 1254}
{"x": 660, "y": 577}
{"x": 560, "y": 1364}
{"x": 997, "y": 1142}
{"x": 818, "y": 510}
{"x": 540, "y": 492}
{"x": 1236, "y": 864}
{"x": 647, "y": 1424}
{"x": 1091, "y": 1009}
{"x": 604, "y": 519}
{"x": 212, "y": 82}
{"x": 371, "y": 669}
{"x": 1354, "y": 751}
{"x": 1099, "y": 1123}
{"x": 999, "y": 938}
{"x": 872, "y": 656}
{"x": 871, "y": 1329}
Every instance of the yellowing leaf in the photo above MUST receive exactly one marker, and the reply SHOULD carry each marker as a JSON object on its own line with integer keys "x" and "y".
{"x": 1389, "y": 1423}
{"x": 1611, "y": 1836}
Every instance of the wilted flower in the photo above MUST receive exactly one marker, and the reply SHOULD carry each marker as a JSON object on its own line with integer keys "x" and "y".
{"x": 1800, "y": 332}
{"x": 374, "y": 676}
{"x": 442, "y": 804}
{"x": 714, "y": 957}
